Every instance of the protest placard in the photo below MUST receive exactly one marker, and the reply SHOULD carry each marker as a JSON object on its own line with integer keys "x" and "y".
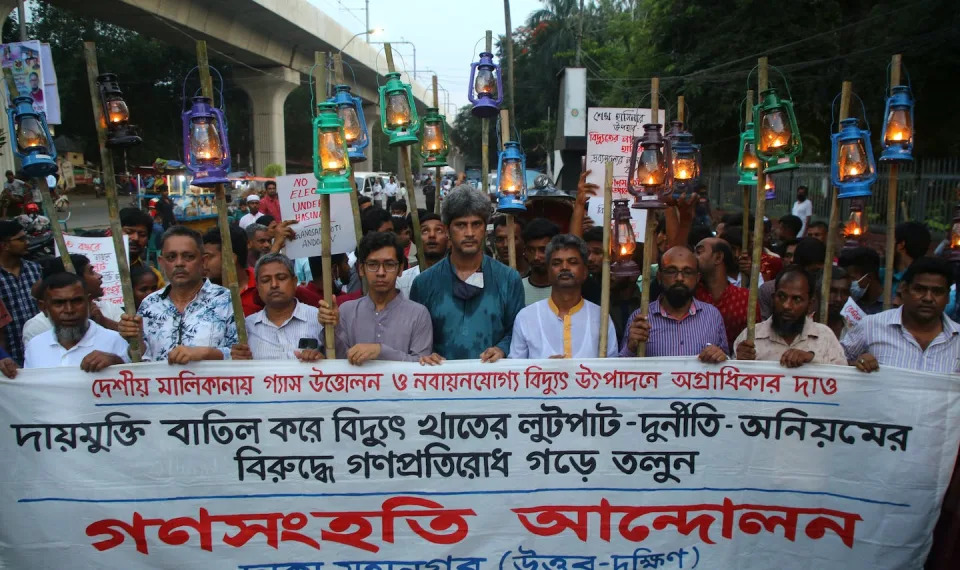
{"x": 103, "y": 260}
{"x": 299, "y": 201}
{"x": 620, "y": 463}
{"x": 609, "y": 134}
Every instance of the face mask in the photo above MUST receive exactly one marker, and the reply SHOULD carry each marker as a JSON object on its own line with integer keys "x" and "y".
{"x": 856, "y": 290}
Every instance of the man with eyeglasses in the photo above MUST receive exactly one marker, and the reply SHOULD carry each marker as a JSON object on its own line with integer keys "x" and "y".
{"x": 17, "y": 277}
{"x": 382, "y": 325}
{"x": 917, "y": 335}
{"x": 678, "y": 324}
{"x": 191, "y": 318}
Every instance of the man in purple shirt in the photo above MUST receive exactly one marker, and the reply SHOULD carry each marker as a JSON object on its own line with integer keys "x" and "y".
{"x": 678, "y": 324}
{"x": 382, "y": 325}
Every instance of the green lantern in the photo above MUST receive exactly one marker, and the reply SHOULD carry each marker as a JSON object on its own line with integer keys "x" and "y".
{"x": 776, "y": 132}
{"x": 747, "y": 161}
{"x": 398, "y": 112}
{"x": 331, "y": 164}
{"x": 434, "y": 146}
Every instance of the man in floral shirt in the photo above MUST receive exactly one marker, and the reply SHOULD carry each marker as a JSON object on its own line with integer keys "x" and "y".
{"x": 191, "y": 318}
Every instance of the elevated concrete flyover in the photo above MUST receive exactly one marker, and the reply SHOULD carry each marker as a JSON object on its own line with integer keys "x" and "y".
{"x": 277, "y": 38}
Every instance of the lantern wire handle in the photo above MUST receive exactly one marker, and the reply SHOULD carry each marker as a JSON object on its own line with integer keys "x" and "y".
{"x": 475, "y": 48}
{"x": 786, "y": 85}
{"x": 183, "y": 87}
{"x": 863, "y": 110}
{"x": 888, "y": 90}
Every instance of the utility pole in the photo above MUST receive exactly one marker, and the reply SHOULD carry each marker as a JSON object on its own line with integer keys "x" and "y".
{"x": 366, "y": 11}
{"x": 576, "y": 62}
{"x": 22, "y": 16}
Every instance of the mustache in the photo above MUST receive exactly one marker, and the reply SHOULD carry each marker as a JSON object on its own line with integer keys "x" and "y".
{"x": 565, "y": 274}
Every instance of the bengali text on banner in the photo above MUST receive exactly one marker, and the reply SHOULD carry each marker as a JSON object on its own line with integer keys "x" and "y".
{"x": 619, "y": 464}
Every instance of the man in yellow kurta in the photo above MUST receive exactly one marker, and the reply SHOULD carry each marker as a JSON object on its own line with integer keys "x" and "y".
{"x": 564, "y": 325}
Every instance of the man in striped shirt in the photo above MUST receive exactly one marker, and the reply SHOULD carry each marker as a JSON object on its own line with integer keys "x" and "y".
{"x": 917, "y": 335}
{"x": 678, "y": 324}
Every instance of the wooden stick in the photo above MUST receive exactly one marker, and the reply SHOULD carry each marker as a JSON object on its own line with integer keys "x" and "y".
{"x": 754, "y": 283}
{"x": 508, "y": 45}
{"x": 408, "y": 174}
{"x": 485, "y": 133}
{"x": 326, "y": 263}
{"x": 511, "y": 230}
{"x": 40, "y": 184}
{"x": 355, "y": 195}
{"x": 891, "y": 204}
{"x": 605, "y": 272}
{"x": 681, "y": 109}
{"x": 229, "y": 270}
{"x": 649, "y": 238}
{"x": 846, "y": 93}
{"x": 436, "y": 190}
{"x": 110, "y": 185}
{"x": 745, "y": 233}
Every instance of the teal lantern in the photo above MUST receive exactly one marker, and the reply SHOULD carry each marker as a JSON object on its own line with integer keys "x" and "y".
{"x": 398, "y": 112}
{"x": 776, "y": 132}
{"x": 331, "y": 163}
{"x": 747, "y": 161}
{"x": 434, "y": 146}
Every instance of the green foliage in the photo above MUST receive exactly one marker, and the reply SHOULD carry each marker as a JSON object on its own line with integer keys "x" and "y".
{"x": 273, "y": 170}
{"x": 704, "y": 50}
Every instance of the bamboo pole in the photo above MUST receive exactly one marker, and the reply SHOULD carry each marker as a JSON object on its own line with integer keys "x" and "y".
{"x": 326, "y": 262}
{"x": 40, "y": 184}
{"x": 511, "y": 229}
{"x": 229, "y": 271}
{"x": 436, "y": 190}
{"x": 605, "y": 272}
{"x": 110, "y": 185}
{"x": 745, "y": 233}
{"x": 754, "y": 283}
{"x": 485, "y": 133}
{"x": 846, "y": 92}
{"x": 649, "y": 239}
{"x": 891, "y": 204}
{"x": 508, "y": 45}
{"x": 408, "y": 174}
{"x": 355, "y": 195}
{"x": 681, "y": 109}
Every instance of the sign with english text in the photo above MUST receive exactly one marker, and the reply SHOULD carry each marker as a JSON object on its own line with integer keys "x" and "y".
{"x": 299, "y": 201}
{"x": 609, "y": 139}
{"x": 616, "y": 464}
{"x": 103, "y": 259}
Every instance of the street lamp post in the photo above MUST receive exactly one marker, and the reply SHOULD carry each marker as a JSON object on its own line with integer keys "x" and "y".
{"x": 368, "y": 33}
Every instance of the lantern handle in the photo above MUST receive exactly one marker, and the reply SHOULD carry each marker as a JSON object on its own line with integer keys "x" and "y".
{"x": 516, "y": 139}
{"x": 888, "y": 90}
{"x": 786, "y": 84}
{"x": 183, "y": 87}
{"x": 475, "y": 47}
{"x": 863, "y": 110}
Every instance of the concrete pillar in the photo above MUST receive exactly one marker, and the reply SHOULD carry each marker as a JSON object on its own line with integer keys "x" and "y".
{"x": 267, "y": 92}
{"x": 371, "y": 114}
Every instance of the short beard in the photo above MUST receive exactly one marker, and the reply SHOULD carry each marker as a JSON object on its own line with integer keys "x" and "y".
{"x": 786, "y": 328}
{"x": 71, "y": 335}
{"x": 678, "y": 295}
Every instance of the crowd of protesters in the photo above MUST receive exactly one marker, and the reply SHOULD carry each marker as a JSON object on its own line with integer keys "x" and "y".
{"x": 466, "y": 302}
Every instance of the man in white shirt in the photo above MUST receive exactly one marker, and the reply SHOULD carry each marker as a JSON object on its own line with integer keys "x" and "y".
{"x": 253, "y": 211}
{"x": 565, "y": 325}
{"x": 285, "y": 328}
{"x": 74, "y": 340}
{"x": 803, "y": 209}
{"x": 103, "y": 313}
{"x": 435, "y": 244}
{"x": 391, "y": 191}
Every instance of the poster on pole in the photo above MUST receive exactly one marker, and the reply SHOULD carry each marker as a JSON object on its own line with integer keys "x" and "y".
{"x": 598, "y": 464}
{"x": 609, "y": 136}
{"x": 32, "y": 69}
{"x": 103, "y": 260}
{"x": 299, "y": 201}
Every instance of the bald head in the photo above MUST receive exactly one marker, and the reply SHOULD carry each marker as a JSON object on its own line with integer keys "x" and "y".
{"x": 678, "y": 275}
{"x": 679, "y": 256}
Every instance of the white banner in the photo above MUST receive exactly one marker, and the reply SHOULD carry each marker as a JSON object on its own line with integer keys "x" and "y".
{"x": 618, "y": 464}
{"x": 103, "y": 259}
{"x": 299, "y": 201}
{"x": 609, "y": 135}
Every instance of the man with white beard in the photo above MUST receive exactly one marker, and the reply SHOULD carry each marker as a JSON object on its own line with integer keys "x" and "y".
{"x": 75, "y": 340}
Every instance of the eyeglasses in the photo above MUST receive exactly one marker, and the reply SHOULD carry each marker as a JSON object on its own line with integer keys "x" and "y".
{"x": 672, "y": 273}
{"x": 388, "y": 266}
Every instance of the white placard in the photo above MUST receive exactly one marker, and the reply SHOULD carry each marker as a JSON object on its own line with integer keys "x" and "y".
{"x": 299, "y": 201}
{"x": 103, "y": 259}
{"x": 609, "y": 135}
{"x": 614, "y": 464}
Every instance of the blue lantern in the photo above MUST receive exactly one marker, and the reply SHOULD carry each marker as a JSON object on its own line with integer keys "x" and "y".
{"x": 897, "y": 133}
{"x": 511, "y": 179}
{"x": 852, "y": 167}
{"x": 205, "y": 145}
{"x": 350, "y": 110}
{"x": 486, "y": 87}
{"x": 34, "y": 147}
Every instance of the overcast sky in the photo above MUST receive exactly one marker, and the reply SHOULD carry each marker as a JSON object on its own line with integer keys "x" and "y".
{"x": 446, "y": 33}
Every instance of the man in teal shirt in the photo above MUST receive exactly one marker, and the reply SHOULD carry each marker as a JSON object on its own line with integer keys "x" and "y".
{"x": 472, "y": 299}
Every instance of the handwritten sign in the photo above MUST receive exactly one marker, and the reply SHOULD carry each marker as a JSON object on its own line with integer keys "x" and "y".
{"x": 103, "y": 259}
{"x": 609, "y": 134}
{"x": 513, "y": 465}
{"x": 299, "y": 201}
{"x": 851, "y": 312}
